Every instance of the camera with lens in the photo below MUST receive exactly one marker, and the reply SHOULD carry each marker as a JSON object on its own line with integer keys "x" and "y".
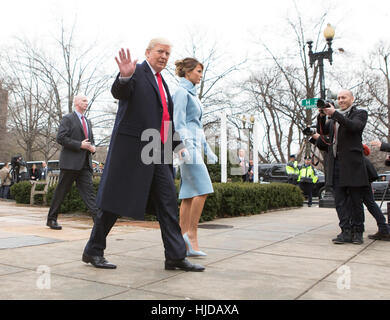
{"x": 309, "y": 131}
{"x": 322, "y": 103}
{"x": 17, "y": 161}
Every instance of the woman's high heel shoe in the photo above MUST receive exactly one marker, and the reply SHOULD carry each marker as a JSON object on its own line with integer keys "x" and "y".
{"x": 191, "y": 252}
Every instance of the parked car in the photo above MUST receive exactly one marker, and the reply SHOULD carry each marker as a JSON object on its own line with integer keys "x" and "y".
{"x": 381, "y": 185}
{"x": 276, "y": 172}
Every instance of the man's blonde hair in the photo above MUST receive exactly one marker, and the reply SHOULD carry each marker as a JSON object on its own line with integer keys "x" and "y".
{"x": 157, "y": 41}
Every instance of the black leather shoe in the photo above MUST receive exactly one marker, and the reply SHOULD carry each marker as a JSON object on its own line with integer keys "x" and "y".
{"x": 379, "y": 236}
{"x": 98, "y": 262}
{"x": 183, "y": 264}
{"x": 343, "y": 237}
{"x": 357, "y": 238}
{"x": 52, "y": 224}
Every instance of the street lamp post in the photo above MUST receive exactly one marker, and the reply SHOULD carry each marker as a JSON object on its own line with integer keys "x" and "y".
{"x": 320, "y": 56}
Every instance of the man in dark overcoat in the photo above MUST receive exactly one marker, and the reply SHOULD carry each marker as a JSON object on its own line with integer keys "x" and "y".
{"x": 339, "y": 132}
{"x": 137, "y": 174}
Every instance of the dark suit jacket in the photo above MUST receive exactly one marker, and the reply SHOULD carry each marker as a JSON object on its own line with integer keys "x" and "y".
{"x": 44, "y": 173}
{"x": 353, "y": 172}
{"x": 70, "y": 134}
{"x": 126, "y": 181}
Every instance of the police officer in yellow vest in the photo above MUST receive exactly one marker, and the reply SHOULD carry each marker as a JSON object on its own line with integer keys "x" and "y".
{"x": 292, "y": 170}
{"x": 307, "y": 178}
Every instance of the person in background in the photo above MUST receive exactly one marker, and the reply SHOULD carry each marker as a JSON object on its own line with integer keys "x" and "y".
{"x": 76, "y": 138}
{"x": 250, "y": 171}
{"x": 23, "y": 174}
{"x": 95, "y": 168}
{"x": 306, "y": 179}
{"x": 383, "y": 146}
{"x": 35, "y": 173}
{"x": 44, "y": 171}
{"x": 368, "y": 199}
{"x": 292, "y": 170}
{"x": 5, "y": 181}
{"x": 244, "y": 164}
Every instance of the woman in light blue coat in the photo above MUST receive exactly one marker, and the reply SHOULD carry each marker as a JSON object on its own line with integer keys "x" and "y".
{"x": 195, "y": 180}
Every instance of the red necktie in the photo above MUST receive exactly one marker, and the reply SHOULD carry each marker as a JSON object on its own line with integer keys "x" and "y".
{"x": 165, "y": 116}
{"x": 85, "y": 127}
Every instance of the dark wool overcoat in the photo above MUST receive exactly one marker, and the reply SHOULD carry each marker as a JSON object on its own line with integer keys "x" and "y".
{"x": 353, "y": 172}
{"x": 126, "y": 180}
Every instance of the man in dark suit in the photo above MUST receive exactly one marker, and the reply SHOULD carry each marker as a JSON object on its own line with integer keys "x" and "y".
{"x": 341, "y": 136}
{"x": 136, "y": 175}
{"x": 44, "y": 171}
{"x": 76, "y": 137}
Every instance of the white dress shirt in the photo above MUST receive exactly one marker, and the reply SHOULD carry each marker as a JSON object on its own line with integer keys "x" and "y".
{"x": 81, "y": 121}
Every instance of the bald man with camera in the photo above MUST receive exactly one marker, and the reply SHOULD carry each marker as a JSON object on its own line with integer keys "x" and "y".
{"x": 339, "y": 133}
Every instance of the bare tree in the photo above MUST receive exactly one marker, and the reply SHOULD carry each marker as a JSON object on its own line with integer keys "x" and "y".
{"x": 24, "y": 104}
{"x": 275, "y": 93}
{"x": 377, "y": 82}
{"x": 217, "y": 73}
{"x": 43, "y": 87}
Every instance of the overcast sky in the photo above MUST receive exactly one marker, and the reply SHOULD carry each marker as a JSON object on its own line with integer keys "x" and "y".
{"x": 236, "y": 24}
{"x": 359, "y": 24}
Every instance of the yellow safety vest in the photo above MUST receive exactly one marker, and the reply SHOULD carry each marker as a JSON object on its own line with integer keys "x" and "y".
{"x": 292, "y": 168}
{"x": 307, "y": 172}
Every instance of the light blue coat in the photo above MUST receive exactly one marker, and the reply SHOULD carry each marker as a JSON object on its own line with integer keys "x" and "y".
{"x": 187, "y": 118}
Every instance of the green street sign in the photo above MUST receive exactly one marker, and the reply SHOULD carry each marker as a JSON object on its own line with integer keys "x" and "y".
{"x": 309, "y": 103}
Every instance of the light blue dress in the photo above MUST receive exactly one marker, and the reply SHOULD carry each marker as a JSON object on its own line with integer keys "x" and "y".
{"x": 187, "y": 117}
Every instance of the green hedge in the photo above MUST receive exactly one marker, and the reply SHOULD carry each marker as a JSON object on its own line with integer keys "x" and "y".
{"x": 228, "y": 199}
{"x": 21, "y": 192}
{"x": 238, "y": 199}
{"x": 72, "y": 202}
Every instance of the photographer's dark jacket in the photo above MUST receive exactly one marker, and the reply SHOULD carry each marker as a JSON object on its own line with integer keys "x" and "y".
{"x": 353, "y": 172}
{"x": 371, "y": 171}
{"x": 70, "y": 135}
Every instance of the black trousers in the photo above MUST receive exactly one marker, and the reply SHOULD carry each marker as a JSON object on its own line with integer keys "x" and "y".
{"x": 84, "y": 184}
{"x": 307, "y": 189}
{"x": 376, "y": 212}
{"x": 349, "y": 203}
{"x": 163, "y": 196}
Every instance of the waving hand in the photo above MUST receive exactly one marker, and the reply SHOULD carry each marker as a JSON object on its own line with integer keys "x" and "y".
{"x": 126, "y": 66}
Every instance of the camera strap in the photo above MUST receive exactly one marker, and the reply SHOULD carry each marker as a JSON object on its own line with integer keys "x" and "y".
{"x": 322, "y": 134}
{"x": 315, "y": 157}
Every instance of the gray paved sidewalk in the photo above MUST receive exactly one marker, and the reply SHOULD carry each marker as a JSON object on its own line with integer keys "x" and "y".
{"x": 277, "y": 255}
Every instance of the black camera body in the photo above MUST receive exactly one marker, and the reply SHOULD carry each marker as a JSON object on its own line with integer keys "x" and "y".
{"x": 17, "y": 161}
{"x": 309, "y": 131}
{"x": 322, "y": 103}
